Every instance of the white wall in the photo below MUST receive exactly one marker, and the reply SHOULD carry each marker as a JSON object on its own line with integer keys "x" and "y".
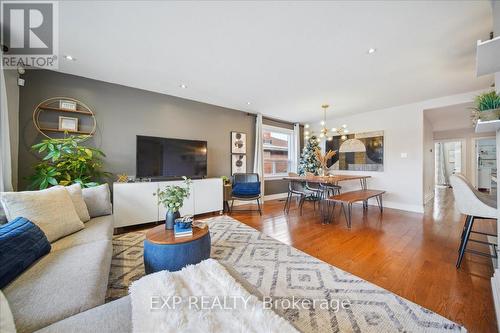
{"x": 428, "y": 160}
{"x": 403, "y": 128}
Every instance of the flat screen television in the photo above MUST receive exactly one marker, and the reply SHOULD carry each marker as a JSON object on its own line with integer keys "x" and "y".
{"x": 165, "y": 158}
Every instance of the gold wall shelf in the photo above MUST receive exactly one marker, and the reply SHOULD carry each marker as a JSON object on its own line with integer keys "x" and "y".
{"x": 52, "y": 105}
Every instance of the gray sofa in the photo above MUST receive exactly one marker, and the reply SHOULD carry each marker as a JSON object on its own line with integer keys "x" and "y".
{"x": 116, "y": 316}
{"x": 71, "y": 279}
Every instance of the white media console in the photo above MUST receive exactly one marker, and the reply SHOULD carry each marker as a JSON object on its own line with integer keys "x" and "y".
{"x": 137, "y": 203}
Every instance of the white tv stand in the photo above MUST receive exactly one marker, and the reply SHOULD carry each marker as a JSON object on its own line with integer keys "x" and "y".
{"x": 137, "y": 203}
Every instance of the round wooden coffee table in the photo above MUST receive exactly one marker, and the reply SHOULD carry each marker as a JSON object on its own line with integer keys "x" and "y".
{"x": 164, "y": 251}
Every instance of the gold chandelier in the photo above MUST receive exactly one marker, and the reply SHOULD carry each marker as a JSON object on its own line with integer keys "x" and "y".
{"x": 324, "y": 132}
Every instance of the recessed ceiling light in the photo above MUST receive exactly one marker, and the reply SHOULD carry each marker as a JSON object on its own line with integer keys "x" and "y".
{"x": 68, "y": 57}
{"x": 371, "y": 50}
{"x": 183, "y": 86}
{"x": 248, "y": 103}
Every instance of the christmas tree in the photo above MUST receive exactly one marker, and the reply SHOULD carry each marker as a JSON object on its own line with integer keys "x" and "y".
{"x": 308, "y": 160}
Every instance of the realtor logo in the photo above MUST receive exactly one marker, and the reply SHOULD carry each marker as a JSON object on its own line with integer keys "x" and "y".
{"x": 30, "y": 34}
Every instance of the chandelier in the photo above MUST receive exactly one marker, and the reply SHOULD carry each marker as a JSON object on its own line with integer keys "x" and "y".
{"x": 324, "y": 132}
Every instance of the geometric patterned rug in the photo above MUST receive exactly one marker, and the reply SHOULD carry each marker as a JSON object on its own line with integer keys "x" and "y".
{"x": 288, "y": 275}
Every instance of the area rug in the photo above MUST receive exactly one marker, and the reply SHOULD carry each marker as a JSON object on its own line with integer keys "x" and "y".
{"x": 290, "y": 278}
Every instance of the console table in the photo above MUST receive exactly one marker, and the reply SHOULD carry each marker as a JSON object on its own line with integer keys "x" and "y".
{"x": 137, "y": 203}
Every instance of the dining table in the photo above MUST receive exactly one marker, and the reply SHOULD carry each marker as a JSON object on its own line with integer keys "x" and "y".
{"x": 333, "y": 179}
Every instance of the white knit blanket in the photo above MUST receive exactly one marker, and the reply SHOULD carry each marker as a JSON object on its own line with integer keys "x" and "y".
{"x": 199, "y": 298}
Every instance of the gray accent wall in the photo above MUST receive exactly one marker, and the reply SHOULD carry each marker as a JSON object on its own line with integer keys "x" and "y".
{"x": 124, "y": 112}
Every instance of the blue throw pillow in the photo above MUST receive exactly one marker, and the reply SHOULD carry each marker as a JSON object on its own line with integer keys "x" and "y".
{"x": 21, "y": 244}
{"x": 246, "y": 189}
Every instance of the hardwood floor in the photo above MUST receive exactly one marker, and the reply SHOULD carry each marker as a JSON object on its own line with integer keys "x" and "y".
{"x": 410, "y": 254}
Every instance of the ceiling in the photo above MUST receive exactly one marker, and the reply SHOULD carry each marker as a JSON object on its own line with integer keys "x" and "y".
{"x": 451, "y": 117}
{"x": 284, "y": 58}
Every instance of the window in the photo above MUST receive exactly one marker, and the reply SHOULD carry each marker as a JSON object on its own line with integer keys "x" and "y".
{"x": 279, "y": 157}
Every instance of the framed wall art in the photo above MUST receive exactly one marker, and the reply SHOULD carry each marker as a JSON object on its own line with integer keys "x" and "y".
{"x": 238, "y": 143}
{"x": 68, "y": 124}
{"x": 238, "y": 163}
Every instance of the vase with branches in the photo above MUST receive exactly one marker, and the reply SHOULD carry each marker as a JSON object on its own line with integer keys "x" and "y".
{"x": 323, "y": 160}
{"x": 172, "y": 197}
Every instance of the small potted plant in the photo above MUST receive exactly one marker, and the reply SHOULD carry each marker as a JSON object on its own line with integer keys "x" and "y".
{"x": 172, "y": 197}
{"x": 225, "y": 180}
{"x": 487, "y": 107}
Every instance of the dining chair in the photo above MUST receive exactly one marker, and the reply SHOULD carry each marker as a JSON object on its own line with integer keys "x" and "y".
{"x": 474, "y": 205}
{"x": 314, "y": 188}
{"x": 296, "y": 187}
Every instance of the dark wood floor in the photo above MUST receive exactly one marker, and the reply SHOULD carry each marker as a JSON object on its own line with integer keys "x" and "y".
{"x": 410, "y": 254}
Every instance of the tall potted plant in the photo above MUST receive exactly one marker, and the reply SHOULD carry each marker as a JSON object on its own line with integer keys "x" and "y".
{"x": 66, "y": 161}
{"x": 172, "y": 198}
{"x": 487, "y": 107}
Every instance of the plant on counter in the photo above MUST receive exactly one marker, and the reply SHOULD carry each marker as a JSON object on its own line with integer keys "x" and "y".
{"x": 65, "y": 161}
{"x": 487, "y": 101}
{"x": 487, "y": 107}
{"x": 172, "y": 198}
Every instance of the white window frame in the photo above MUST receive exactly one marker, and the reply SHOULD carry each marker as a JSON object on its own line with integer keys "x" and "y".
{"x": 292, "y": 156}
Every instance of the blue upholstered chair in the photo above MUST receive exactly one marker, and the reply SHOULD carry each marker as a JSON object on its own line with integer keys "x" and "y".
{"x": 246, "y": 187}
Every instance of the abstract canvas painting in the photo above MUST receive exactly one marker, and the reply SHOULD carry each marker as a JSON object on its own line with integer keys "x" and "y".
{"x": 358, "y": 152}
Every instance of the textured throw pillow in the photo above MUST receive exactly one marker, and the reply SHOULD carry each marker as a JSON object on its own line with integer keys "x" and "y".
{"x": 98, "y": 200}
{"x": 21, "y": 244}
{"x": 76, "y": 193}
{"x": 6, "y": 319}
{"x": 51, "y": 209}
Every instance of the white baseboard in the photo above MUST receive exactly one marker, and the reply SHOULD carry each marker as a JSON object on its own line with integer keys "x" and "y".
{"x": 495, "y": 287}
{"x": 276, "y": 196}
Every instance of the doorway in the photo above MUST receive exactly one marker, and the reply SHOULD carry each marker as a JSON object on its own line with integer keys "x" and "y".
{"x": 448, "y": 157}
{"x": 485, "y": 164}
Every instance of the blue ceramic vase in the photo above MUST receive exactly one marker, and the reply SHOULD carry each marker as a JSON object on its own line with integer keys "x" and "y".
{"x": 170, "y": 219}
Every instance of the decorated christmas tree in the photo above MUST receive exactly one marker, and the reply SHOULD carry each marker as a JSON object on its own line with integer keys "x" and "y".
{"x": 308, "y": 160}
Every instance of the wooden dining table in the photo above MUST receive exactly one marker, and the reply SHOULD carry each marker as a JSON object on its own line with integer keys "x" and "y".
{"x": 332, "y": 179}
{"x": 328, "y": 180}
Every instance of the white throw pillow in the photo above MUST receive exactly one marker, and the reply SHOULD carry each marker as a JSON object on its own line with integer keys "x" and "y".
{"x": 75, "y": 191}
{"x": 52, "y": 210}
{"x": 7, "y": 324}
{"x": 98, "y": 200}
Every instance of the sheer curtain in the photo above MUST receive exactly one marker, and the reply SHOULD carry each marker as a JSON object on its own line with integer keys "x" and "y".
{"x": 296, "y": 145}
{"x": 5, "y": 157}
{"x": 258, "y": 161}
{"x": 442, "y": 172}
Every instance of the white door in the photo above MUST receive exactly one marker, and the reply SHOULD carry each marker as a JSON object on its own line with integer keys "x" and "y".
{"x": 134, "y": 203}
{"x": 187, "y": 208}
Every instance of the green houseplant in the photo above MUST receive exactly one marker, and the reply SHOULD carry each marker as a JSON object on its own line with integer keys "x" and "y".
{"x": 172, "y": 198}
{"x": 66, "y": 161}
{"x": 487, "y": 107}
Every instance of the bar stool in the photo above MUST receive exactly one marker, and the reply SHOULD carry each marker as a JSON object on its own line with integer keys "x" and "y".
{"x": 473, "y": 204}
